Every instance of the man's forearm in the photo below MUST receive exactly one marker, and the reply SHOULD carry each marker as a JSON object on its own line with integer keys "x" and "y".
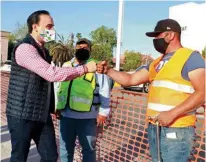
{"x": 28, "y": 57}
{"x": 191, "y": 104}
{"x": 122, "y": 78}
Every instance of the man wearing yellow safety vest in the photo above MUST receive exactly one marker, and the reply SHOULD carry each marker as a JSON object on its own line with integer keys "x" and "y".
{"x": 177, "y": 89}
{"x": 84, "y": 104}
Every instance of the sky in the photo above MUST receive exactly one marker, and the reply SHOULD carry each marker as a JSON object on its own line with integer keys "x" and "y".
{"x": 76, "y": 16}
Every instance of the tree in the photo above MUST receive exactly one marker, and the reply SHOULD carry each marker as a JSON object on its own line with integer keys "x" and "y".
{"x": 104, "y": 36}
{"x": 101, "y": 52}
{"x": 19, "y": 33}
{"x": 203, "y": 52}
{"x": 79, "y": 36}
{"x": 133, "y": 60}
{"x": 103, "y": 40}
{"x": 71, "y": 40}
{"x": 61, "y": 51}
{"x": 61, "y": 39}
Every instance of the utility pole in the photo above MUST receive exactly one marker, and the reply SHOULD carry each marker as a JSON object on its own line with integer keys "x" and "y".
{"x": 119, "y": 34}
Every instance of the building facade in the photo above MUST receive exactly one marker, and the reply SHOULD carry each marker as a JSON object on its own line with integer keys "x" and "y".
{"x": 192, "y": 18}
{"x": 4, "y": 45}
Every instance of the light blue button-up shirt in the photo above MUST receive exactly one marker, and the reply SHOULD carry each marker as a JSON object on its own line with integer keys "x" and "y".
{"x": 103, "y": 90}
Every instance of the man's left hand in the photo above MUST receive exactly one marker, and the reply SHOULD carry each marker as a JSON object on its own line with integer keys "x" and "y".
{"x": 101, "y": 120}
{"x": 165, "y": 118}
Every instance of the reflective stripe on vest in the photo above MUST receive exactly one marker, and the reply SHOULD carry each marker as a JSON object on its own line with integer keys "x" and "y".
{"x": 159, "y": 107}
{"x": 78, "y": 94}
{"x": 168, "y": 88}
{"x": 83, "y": 100}
{"x": 173, "y": 85}
{"x": 81, "y": 93}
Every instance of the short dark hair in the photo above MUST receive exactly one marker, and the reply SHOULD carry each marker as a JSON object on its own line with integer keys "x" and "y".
{"x": 34, "y": 18}
{"x": 84, "y": 41}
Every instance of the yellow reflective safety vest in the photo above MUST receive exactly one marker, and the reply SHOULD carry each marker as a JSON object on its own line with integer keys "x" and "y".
{"x": 78, "y": 94}
{"x": 168, "y": 89}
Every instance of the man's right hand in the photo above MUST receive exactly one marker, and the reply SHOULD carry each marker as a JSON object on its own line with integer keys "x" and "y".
{"x": 58, "y": 114}
{"x": 91, "y": 67}
{"x": 102, "y": 67}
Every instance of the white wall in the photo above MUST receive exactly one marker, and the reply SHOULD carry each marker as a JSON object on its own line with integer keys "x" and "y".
{"x": 192, "y": 18}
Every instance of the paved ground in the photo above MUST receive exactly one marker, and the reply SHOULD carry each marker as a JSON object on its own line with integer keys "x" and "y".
{"x": 5, "y": 136}
{"x": 6, "y": 146}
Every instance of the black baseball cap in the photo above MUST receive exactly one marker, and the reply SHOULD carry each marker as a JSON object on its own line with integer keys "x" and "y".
{"x": 163, "y": 26}
{"x": 85, "y": 40}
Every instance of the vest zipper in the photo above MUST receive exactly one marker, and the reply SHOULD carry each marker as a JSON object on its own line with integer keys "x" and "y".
{"x": 69, "y": 90}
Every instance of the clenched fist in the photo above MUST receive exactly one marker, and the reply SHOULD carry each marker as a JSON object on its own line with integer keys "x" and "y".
{"x": 101, "y": 120}
{"x": 102, "y": 67}
{"x": 91, "y": 67}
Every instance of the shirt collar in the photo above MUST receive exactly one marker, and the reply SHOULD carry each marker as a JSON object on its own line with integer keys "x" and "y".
{"x": 40, "y": 44}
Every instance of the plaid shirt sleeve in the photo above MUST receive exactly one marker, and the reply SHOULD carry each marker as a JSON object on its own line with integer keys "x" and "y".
{"x": 28, "y": 57}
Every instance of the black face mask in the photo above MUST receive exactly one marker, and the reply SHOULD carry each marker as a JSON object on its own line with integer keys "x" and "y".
{"x": 82, "y": 54}
{"x": 160, "y": 45}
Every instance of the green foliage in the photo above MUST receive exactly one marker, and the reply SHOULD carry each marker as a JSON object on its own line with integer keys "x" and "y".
{"x": 71, "y": 40}
{"x": 104, "y": 36}
{"x": 101, "y": 52}
{"x": 203, "y": 52}
{"x": 103, "y": 40}
{"x": 133, "y": 60}
{"x": 61, "y": 53}
{"x": 79, "y": 36}
{"x": 19, "y": 33}
{"x": 62, "y": 50}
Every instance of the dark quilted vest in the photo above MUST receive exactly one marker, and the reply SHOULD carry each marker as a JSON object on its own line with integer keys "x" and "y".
{"x": 28, "y": 95}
